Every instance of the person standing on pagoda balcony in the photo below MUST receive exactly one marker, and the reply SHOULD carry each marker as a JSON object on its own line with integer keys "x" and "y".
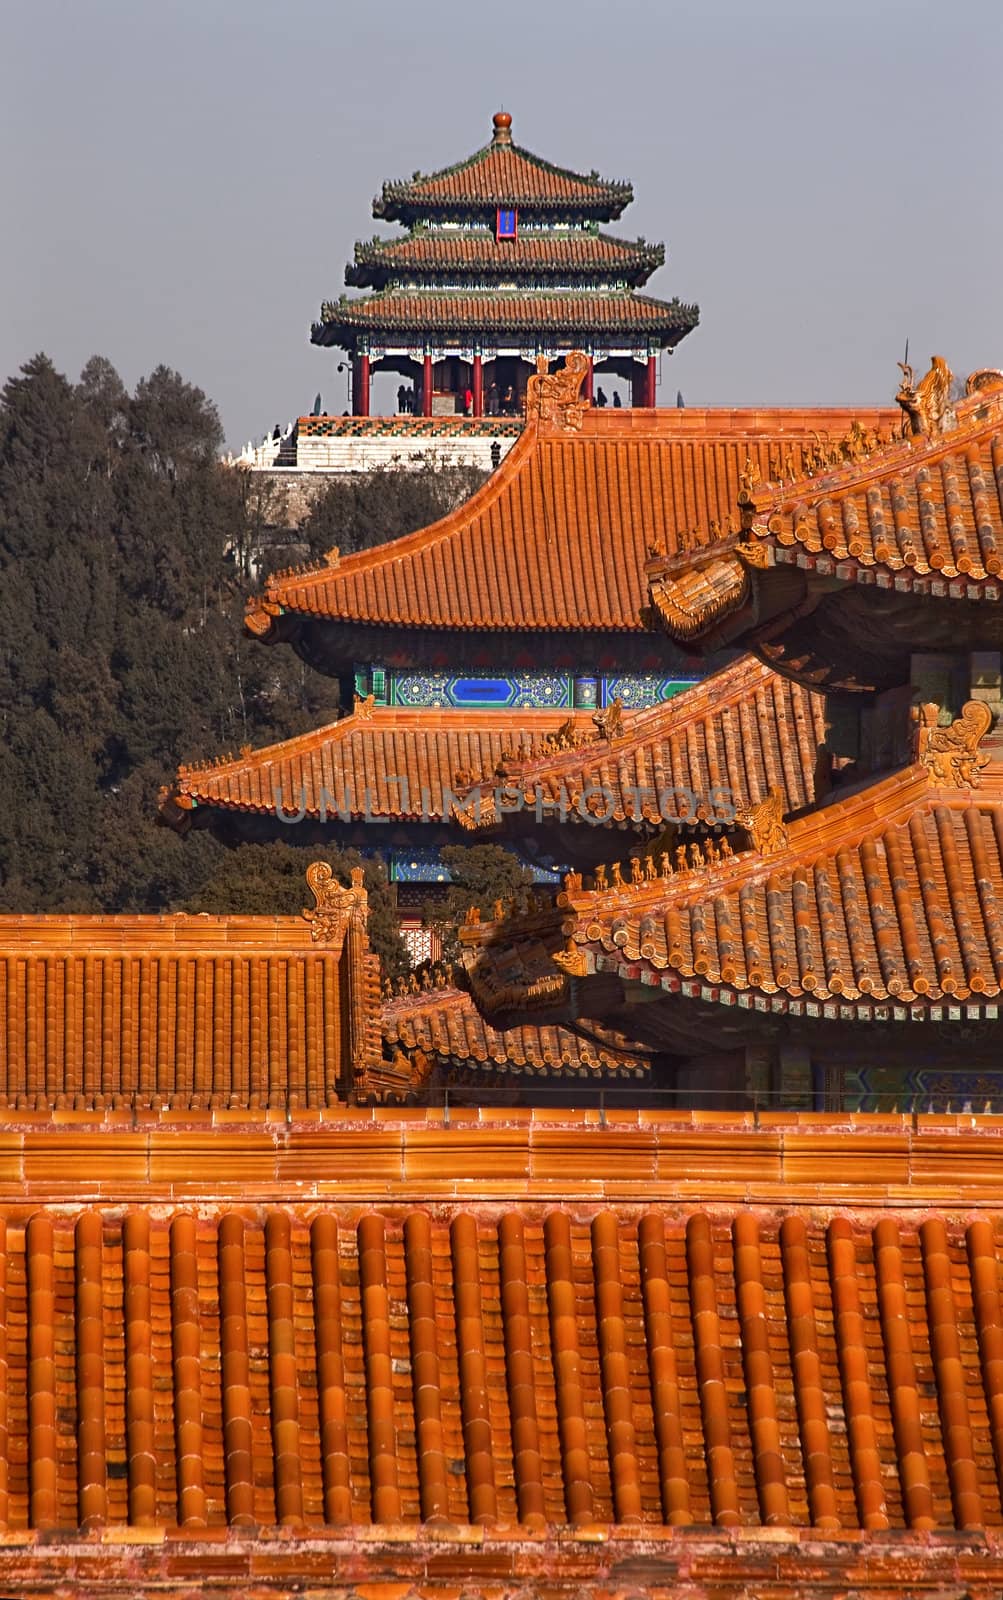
{"x": 468, "y": 401}
{"x": 402, "y": 399}
{"x": 492, "y": 399}
{"x": 601, "y": 400}
{"x": 617, "y": 402}
{"x": 508, "y": 402}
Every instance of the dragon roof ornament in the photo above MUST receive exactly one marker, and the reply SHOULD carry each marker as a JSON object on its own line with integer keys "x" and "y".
{"x": 555, "y": 397}
{"x": 334, "y": 904}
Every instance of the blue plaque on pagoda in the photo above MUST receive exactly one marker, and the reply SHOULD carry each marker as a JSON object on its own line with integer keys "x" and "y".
{"x": 506, "y": 224}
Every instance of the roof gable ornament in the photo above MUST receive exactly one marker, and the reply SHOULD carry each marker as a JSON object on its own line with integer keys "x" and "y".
{"x": 951, "y": 755}
{"x": 333, "y": 902}
{"x": 927, "y": 405}
{"x": 764, "y": 823}
{"x": 555, "y": 397}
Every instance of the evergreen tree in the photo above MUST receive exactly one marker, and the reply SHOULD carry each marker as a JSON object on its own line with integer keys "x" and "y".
{"x": 126, "y": 552}
{"x": 481, "y": 875}
{"x": 360, "y": 510}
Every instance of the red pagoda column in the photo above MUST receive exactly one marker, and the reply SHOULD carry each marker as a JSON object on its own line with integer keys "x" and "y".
{"x": 361, "y": 386}
{"x": 649, "y": 388}
{"x": 478, "y": 386}
{"x": 589, "y": 380}
{"x": 426, "y": 388}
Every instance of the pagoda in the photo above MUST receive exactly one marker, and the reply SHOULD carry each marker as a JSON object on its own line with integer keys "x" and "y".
{"x": 504, "y": 260}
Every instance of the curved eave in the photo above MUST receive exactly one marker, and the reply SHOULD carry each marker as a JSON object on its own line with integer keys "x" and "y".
{"x": 671, "y": 323}
{"x": 376, "y": 260}
{"x": 404, "y": 204}
{"x": 923, "y": 514}
{"x": 693, "y": 604}
{"x": 185, "y": 807}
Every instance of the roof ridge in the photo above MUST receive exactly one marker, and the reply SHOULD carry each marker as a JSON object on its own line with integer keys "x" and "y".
{"x": 889, "y": 803}
{"x": 502, "y": 521}
{"x": 977, "y": 414}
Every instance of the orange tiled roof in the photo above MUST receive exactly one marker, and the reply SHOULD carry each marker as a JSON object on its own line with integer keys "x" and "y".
{"x": 381, "y": 762}
{"x": 437, "y": 311}
{"x": 482, "y": 252}
{"x": 925, "y": 508}
{"x": 612, "y": 1366}
{"x": 184, "y": 1011}
{"x": 446, "y": 1025}
{"x": 882, "y": 905}
{"x": 921, "y": 514}
{"x": 503, "y": 174}
{"x": 193, "y": 1013}
{"x": 558, "y": 537}
{"x": 725, "y": 741}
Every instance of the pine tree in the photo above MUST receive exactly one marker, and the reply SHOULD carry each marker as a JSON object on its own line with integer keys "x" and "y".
{"x": 125, "y": 556}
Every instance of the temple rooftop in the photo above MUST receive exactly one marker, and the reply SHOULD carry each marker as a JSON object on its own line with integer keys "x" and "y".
{"x": 503, "y": 262}
{"x": 729, "y": 740}
{"x": 916, "y": 522}
{"x": 379, "y": 764}
{"x": 875, "y": 906}
{"x": 551, "y": 552}
{"x": 567, "y": 316}
{"x": 706, "y": 1348}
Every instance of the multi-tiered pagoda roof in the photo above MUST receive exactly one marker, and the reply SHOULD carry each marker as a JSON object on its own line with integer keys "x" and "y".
{"x": 503, "y": 259}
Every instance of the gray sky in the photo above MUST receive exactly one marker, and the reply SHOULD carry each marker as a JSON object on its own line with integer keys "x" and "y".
{"x": 184, "y": 179}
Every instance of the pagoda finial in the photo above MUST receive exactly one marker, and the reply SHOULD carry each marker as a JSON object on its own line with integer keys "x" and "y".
{"x": 503, "y": 128}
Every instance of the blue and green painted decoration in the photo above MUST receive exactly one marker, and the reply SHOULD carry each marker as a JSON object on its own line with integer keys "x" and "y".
{"x": 542, "y": 691}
